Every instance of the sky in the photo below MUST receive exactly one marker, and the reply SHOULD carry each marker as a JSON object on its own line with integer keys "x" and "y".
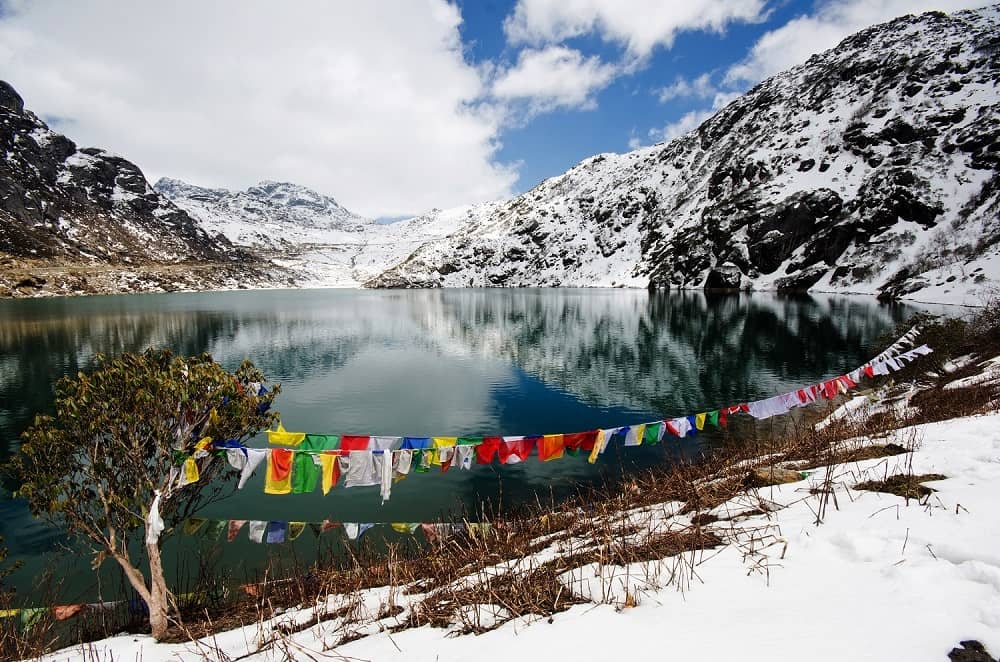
{"x": 395, "y": 107}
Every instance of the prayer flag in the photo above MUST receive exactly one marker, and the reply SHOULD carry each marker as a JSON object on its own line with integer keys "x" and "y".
{"x": 284, "y": 437}
{"x": 329, "y": 469}
{"x": 579, "y": 441}
{"x": 487, "y": 450}
{"x": 279, "y": 471}
{"x": 350, "y": 443}
{"x": 443, "y": 449}
{"x": 653, "y": 433}
{"x": 305, "y": 473}
{"x": 699, "y": 421}
{"x": 551, "y": 447}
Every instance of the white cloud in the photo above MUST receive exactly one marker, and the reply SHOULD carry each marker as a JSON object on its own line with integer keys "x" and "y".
{"x": 833, "y": 20}
{"x": 639, "y": 25}
{"x": 371, "y": 103}
{"x": 553, "y": 77}
{"x": 700, "y": 87}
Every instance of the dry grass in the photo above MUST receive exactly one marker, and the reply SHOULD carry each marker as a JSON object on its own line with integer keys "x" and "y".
{"x": 907, "y": 486}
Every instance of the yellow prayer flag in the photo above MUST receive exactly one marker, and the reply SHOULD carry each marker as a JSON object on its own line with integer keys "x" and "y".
{"x": 284, "y": 437}
{"x": 640, "y": 432}
{"x": 699, "y": 421}
{"x": 330, "y": 470}
{"x": 190, "y": 471}
{"x": 400, "y": 527}
{"x": 439, "y": 443}
{"x": 278, "y": 479}
{"x": 295, "y": 529}
{"x": 598, "y": 447}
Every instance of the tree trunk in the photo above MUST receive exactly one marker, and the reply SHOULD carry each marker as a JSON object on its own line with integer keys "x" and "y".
{"x": 158, "y": 607}
{"x": 155, "y": 596}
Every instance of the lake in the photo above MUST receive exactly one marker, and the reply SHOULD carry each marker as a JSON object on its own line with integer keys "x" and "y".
{"x": 431, "y": 362}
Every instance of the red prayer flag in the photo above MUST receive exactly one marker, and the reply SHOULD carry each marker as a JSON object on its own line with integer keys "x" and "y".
{"x": 354, "y": 443}
{"x": 486, "y": 450}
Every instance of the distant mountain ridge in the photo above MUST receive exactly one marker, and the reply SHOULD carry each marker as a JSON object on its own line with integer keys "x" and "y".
{"x": 270, "y": 215}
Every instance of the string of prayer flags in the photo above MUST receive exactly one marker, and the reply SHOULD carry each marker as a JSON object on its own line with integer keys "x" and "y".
{"x": 320, "y": 459}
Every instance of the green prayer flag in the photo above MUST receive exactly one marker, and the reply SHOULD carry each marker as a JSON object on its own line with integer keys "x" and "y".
{"x": 320, "y": 442}
{"x": 652, "y": 433}
{"x": 713, "y": 417}
{"x": 469, "y": 441}
{"x": 305, "y": 473}
{"x": 421, "y": 460}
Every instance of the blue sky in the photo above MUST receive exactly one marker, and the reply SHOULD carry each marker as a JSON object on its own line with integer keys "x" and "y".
{"x": 395, "y": 107}
{"x": 629, "y": 107}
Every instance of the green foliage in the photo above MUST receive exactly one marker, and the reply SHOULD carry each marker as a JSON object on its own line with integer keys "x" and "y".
{"x": 119, "y": 430}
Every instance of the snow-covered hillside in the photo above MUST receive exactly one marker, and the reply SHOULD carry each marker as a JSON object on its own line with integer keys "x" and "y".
{"x": 311, "y": 234}
{"x": 270, "y": 215}
{"x": 873, "y": 167}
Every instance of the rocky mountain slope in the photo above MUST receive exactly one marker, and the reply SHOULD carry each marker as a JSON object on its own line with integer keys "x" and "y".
{"x": 270, "y": 215}
{"x": 94, "y": 211}
{"x": 873, "y": 167}
{"x": 309, "y": 233}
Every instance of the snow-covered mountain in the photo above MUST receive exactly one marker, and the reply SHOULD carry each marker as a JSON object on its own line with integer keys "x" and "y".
{"x": 312, "y": 235}
{"x": 85, "y": 220}
{"x": 270, "y": 215}
{"x": 57, "y": 201}
{"x": 873, "y": 167}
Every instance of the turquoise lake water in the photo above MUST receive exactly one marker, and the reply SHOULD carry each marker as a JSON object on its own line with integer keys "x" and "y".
{"x": 424, "y": 363}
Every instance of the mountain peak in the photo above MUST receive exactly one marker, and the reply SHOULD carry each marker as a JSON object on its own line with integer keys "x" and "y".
{"x": 268, "y": 214}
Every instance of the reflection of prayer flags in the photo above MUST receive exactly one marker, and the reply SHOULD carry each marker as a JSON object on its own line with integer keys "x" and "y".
{"x": 234, "y": 528}
{"x": 193, "y": 524}
{"x": 276, "y": 531}
{"x": 551, "y": 447}
{"x": 295, "y": 529}
{"x": 215, "y": 529}
{"x": 283, "y": 437}
{"x": 279, "y": 471}
{"x": 256, "y": 530}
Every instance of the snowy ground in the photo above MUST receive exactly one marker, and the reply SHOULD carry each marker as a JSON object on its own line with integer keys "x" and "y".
{"x": 879, "y": 579}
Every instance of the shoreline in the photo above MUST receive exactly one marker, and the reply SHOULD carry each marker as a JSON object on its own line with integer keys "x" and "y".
{"x": 357, "y": 287}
